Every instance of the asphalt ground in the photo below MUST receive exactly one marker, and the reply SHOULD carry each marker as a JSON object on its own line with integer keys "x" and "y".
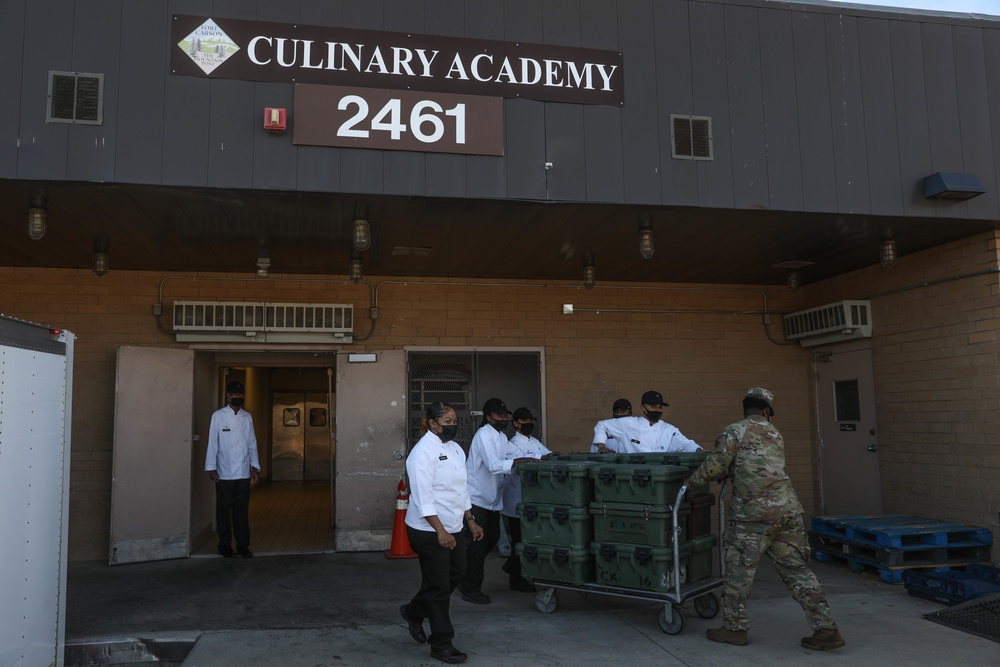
{"x": 331, "y": 609}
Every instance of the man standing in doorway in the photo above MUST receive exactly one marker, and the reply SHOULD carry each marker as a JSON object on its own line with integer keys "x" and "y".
{"x": 231, "y": 462}
{"x": 486, "y": 466}
{"x": 765, "y": 517}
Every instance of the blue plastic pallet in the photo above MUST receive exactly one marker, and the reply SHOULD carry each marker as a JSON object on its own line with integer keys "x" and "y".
{"x": 953, "y": 586}
{"x": 889, "y": 575}
{"x": 893, "y": 531}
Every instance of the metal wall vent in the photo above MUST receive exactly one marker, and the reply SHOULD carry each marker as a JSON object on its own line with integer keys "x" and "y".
{"x": 691, "y": 137}
{"x": 75, "y": 98}
{"x": 228, "y": 321}
{"x": 832, "y": 323}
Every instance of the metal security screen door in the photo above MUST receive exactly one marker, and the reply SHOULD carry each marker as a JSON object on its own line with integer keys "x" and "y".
{"x": 466, "y": 380}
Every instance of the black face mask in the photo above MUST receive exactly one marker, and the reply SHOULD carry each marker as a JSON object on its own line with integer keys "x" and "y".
{"x": 236, "y": 402}
{"x": 654, "y": 415}
{"x": 500, "y": 425}
{"x": 448, "y": 433}
{"x": 527, "y": 429}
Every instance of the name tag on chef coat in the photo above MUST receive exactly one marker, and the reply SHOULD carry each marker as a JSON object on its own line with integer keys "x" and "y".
{"x": 443, "y": 457}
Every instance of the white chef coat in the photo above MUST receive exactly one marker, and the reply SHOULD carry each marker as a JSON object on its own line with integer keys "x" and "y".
{"x": 487, "y": 464}
{"x": 436, "y": 471}
{"x": 636, "y": 435}
{"x": 232, "y": 444}
{"x": 521, "y": 447}
{"x": 611, "y": 442}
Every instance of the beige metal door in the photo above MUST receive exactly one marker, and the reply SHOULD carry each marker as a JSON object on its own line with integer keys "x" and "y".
{"x": 151, "y": 483}
{"x": 849, "y": 444}
{"x": 371, "y": 446}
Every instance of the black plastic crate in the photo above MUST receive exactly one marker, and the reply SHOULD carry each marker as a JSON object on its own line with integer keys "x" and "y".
{"x": 953, "y": 586}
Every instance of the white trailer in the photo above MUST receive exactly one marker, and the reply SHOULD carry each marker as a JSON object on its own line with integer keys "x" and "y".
{"x": 36, "y": 371}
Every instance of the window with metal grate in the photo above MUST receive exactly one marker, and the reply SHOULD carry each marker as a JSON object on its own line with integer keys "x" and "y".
{"x": 75, "y": 97}
{"x": 691, "y": 137}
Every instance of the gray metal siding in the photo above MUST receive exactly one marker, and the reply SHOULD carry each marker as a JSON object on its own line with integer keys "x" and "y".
{"x": 885, "y": 190}
{"x": 781, "y": 111}
{"x": 847, "y": 114}
{"x": 11, "y": 48}
{"x": 813, "y": 108}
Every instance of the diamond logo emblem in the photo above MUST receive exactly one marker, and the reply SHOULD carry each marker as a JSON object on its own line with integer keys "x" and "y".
{"x": 208, "y": 46}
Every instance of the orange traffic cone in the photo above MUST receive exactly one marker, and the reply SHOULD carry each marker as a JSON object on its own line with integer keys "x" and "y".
{"x": 400, "y": 543}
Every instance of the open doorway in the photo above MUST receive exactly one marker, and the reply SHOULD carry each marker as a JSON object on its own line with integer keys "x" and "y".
{"x": 292, "y": 505}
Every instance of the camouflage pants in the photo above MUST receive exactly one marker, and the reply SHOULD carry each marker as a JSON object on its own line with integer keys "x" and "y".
{"x": 784, "y": 542}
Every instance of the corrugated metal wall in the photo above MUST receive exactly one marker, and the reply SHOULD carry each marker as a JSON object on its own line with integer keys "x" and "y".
{"x": 813, "y": 108}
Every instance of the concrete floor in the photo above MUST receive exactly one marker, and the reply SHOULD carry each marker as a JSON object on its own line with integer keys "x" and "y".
{"x": 342, "y": 609}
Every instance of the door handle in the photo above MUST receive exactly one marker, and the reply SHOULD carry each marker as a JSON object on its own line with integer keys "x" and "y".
{"x": 872, "y": 448}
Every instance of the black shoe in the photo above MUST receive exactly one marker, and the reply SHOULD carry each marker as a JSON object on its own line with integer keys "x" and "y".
{"x": 475, "y": 597}
{"x": 451, "y": 655}
{"x": 506, "y": 567}
{"x": 416, "y": 628}
{"x": 243, "y": 552}
{"x": 226, "y": 552}
{"x": 522, "y": 585}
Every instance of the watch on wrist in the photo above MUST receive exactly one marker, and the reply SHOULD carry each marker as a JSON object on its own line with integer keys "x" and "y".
{"x": 469, "y": 519}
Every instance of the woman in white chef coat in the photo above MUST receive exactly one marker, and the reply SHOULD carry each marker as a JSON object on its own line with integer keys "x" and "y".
{"x": 438, "y": 515}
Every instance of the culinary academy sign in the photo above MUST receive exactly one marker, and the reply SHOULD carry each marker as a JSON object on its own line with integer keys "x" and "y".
{"x": 256, "y": 51}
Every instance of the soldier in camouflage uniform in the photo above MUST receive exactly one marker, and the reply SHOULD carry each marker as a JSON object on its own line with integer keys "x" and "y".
{"x": 765, "y": 517}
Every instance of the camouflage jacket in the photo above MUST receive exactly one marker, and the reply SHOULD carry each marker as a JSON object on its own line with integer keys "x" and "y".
{"x": 753, "y": 451}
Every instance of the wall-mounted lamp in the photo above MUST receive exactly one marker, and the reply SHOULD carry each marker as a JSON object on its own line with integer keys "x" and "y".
{"x": 794, "y": 280}
{"x": 887, "y": 253}
{"x": 36, "y": 223}
{"x": 588, "y": 272}
{"x": 37, "y": 216}
{"x": 944, "y": 185}
{"x": 361, "y": 230}
{"x": 355, "y": 268}
{"x": 263, "y": 265}
{"x": 646, "y": 247}
{"x": 101, "y": 260}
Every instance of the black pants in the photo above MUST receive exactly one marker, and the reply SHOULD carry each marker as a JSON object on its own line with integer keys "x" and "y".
{"x": 513, "y": 565}
{"x": 440, "y": 571}
{"x": 489, "y": 521}
{"x": 232, "y": 512}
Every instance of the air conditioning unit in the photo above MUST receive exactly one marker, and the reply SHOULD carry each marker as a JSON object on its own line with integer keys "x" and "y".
{"x": 231, "y": 321}
{"x": 833, "y": 323}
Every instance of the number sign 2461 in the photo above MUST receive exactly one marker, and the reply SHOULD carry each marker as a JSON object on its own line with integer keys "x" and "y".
{"x": 397, "y": 120}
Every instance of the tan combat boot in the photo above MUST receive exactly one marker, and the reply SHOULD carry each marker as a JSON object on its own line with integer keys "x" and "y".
{"x": 724, "y": 636}
{"x": 823, "y": 640}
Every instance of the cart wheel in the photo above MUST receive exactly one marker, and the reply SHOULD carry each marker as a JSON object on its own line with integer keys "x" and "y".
{"x": 676, "y": 623}
{"x": 707, "y": 605}
{"x": 546, "y": 601}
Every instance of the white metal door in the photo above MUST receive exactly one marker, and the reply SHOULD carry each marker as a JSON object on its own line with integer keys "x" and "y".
{"x": 847, "y": 421}
{"x": 151, "y": 486}
{"x": 371, "y": 447}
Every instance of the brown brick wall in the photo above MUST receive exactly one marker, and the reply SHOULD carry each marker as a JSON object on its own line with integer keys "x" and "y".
{"x": 937, "y": 378}
{"x": 701, "y": 362}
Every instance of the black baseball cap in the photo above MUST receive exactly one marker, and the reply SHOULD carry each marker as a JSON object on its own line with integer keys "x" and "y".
{"x": 653, "y": 398}
{"x": 522, "y": 414}
{"x": 622, "y": 404}
{"x": 495, "y": 406}
{"x": 235, "y": 387}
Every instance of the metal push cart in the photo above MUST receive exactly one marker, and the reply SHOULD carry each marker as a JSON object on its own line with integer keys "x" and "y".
{"x": 670, "y": 618}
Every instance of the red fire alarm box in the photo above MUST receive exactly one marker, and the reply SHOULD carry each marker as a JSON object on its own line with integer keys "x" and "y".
{"x": 275, "y": 120}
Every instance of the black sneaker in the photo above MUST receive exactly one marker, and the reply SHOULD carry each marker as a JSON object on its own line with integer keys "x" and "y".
{"x": 244, "y": 552}
{"x": 475, "y": 597}
{"x": 227, "y": 552}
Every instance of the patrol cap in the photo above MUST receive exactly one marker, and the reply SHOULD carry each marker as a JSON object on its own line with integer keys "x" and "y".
{"x": 235, "y": 387}
{"x": 761, "y": 394}
{"x": 653, "y": 398}
{"x": 495, "y": 406}
{"x": 523, "y": 413}
{"x": 622, "y": 404}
